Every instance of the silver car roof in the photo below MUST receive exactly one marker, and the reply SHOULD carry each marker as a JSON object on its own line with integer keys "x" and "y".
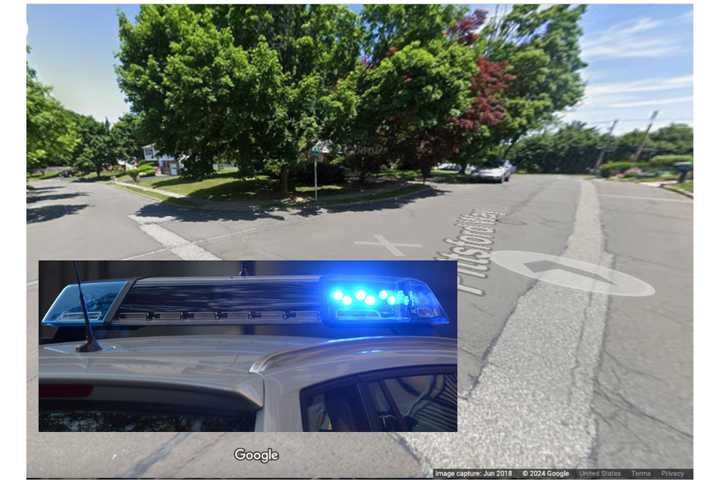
{"x": 236, "y": 363}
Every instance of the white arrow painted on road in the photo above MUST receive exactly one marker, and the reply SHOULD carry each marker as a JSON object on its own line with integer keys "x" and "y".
{"x": 391, "y": 246}
{"x": 571, "y": 273}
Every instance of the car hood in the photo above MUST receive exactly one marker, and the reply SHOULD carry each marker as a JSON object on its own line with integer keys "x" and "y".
{"x": 213, "y": 362}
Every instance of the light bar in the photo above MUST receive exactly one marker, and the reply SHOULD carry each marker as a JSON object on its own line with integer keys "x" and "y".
{"x": 282, "y": 300}
{"x": 380, "y": 301}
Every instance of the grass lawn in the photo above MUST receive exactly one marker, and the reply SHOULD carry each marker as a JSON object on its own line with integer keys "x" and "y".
{"x": 686, "y": 186}
{"x": 42, "y": 176}
{"x": 226, "y": 186}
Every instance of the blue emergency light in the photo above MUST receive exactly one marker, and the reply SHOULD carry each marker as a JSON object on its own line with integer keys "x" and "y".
{"x": 367, "y": 300}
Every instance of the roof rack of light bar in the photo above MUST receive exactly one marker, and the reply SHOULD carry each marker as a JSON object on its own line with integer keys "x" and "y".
{"x": 245, "y": 317}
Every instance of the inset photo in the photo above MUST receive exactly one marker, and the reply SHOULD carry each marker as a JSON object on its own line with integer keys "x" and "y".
{"x": 266, "y": 346}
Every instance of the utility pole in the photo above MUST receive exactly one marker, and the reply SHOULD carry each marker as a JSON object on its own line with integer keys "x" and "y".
{"x": 601, "y": 157}
{"x": 636, "y": 157}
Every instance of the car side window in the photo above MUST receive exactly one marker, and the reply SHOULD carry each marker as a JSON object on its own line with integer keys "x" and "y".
{"x": 417, "y": 399}
{"x": 416, "y": 403}
{"x": 335, "y": 409}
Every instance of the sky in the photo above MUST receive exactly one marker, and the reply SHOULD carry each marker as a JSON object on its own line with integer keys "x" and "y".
{"x": 639, "y": 59}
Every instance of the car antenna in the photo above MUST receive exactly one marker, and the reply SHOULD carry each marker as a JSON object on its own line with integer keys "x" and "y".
{"x": 245, "y": 269}
{"x": 91, "y": 344}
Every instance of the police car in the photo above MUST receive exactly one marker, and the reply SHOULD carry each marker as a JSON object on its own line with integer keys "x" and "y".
{"x": 159, "y": 363}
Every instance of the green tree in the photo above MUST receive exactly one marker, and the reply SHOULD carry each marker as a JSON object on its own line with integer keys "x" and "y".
{"x": 412, "y": 81}
{"x": 236, "y": 82}
{"x": 542, "y": 50}
{"x": 95, "y": 149}
{"x": 572, "y": 148}
{"x": 389, "y": 27}
{"x": 127, "y": 137}
{"x": 675, "y": 139}
{"x": 51, "y": 133}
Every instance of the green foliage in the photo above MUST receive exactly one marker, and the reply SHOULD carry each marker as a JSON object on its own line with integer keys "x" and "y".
{"x": 134, "y": 173}
{"x": 239, "y": 83}
{"x": 51, "y": 133}
{"x": 146, "y": 169}
{"x": 667, "y": 161}
{"x": 572, "y": 148}
{"x": 258, "y": 85}
{"x": 128, "y": 137}
{"x": 96, "y": 149}
{"x": 614, "y": 168}
{"x": 674, "y": 139}
{"x": 541, "y": 47}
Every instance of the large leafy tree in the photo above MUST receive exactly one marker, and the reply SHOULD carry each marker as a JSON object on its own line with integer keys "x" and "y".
{"x": 241, "y": 83}
{"x": 51, "y": 133}
{"x": 541, "y": 47}
{"x": 413, "y": 80}
{"x": 127, "y": 137}
{"x": 96, "y": 149}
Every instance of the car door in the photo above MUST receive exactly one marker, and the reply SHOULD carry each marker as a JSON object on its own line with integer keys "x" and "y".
{"x": 411, "y": 399}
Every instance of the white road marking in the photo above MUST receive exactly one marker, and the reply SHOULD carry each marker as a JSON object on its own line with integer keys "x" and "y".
{"x": 532, "y": 402}
{"x": 165, "y": 249}
{"x": 571, "y": 273}
{"x": 656, "y": 199}
{"x": 143, "y": 220}
{"x": 391, "y": 246}
{"x": 181, "y": 247}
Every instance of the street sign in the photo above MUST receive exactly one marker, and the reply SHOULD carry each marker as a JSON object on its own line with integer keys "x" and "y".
{"x": 571, "y": 273}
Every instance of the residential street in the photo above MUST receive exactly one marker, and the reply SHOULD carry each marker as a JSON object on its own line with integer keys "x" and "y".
{"x": 551, "y": 376}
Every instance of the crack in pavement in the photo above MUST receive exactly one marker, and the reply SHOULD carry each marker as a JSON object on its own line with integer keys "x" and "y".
{"x": 139, "y": 469}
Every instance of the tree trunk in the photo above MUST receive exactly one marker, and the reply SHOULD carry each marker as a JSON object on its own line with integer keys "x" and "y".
{"x": 98, "y": 170}
{"x": 509, "y": 147}
{"x": 284, "y": 176}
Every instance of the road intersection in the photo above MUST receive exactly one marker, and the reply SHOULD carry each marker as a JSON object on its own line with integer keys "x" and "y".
{"x": 549, "y": 375}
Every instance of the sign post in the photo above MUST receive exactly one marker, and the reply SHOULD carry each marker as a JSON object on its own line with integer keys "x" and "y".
{"x": 315, "y": 166}
{"x": 316, "y": 153}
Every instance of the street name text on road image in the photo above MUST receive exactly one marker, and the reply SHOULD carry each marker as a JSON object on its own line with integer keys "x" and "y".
{"x": 472, "y": 248}
{"x": 532, "y": 402}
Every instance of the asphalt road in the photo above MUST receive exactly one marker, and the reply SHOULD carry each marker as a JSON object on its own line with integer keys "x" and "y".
{"x": 551, "y": 376}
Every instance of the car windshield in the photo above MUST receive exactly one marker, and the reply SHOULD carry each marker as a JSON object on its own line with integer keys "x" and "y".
{"x": 99, "y": 297}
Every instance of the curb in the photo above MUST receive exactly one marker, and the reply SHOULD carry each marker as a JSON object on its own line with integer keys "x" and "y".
{"x": 376, "y": 200}
{"x": 153, "y": 190}
{"x": 677, "y": 190}
{"x": 193, "y": 203}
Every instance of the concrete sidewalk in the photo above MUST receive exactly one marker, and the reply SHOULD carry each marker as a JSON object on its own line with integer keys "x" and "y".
{"x": 148, "y": 189}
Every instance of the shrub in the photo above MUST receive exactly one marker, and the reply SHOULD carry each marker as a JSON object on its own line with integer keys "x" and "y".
{"x": 146, "y": 169}
{"x": 134, "y": 173}
{"x": 667, "y": 161}
{"x": 613, "y": 168}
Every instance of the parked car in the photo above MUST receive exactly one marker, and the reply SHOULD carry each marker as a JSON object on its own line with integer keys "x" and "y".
{"x": 185, "y": 381}
{"x": 493, "y": 170}
{"x": 449, "y": 166}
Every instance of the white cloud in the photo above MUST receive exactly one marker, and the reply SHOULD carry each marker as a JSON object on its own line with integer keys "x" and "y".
{"x": 630, "y": 40}
{"x": 638, "y": 86}
{"x": 651, "y": 103}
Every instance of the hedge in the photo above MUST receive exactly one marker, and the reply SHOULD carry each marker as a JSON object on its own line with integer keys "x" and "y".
{"x": 613, "y": 168}
{"x": 667, "y": 161}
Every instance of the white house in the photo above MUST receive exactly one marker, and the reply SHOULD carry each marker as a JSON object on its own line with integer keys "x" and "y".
{"x": 167, "y": 164}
